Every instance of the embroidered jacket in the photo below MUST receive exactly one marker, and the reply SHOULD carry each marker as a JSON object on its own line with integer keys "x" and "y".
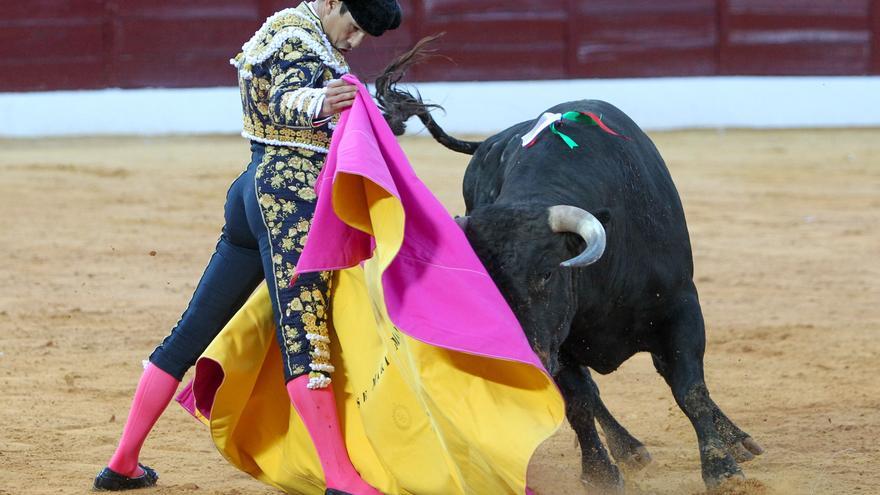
{"x": 282, "y": 72}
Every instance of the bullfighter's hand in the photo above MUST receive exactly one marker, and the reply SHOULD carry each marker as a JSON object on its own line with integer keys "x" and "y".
{"x": 340, "y": 95}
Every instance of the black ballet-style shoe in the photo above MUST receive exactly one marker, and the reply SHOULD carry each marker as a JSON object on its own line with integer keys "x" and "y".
{"x": 111, "y": 481}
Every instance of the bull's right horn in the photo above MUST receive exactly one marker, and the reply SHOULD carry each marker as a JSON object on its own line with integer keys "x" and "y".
{"x": 563, "y": 218}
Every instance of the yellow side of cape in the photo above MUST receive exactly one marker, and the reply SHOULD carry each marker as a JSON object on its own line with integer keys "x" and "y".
{"x": 417, "y": 419}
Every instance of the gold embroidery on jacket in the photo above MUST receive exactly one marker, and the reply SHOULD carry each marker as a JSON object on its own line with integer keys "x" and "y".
{"x": 282, "y": 95}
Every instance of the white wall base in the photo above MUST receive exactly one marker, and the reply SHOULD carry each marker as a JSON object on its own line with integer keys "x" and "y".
{"x": 474, "y": 107}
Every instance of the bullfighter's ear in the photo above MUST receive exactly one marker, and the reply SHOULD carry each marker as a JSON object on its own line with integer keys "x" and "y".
{"x": 462, "y": 222}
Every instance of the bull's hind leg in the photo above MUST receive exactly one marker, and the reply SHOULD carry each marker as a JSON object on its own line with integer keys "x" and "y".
{"x": 681, "y": 364}
{"x": 625, "y": 448}
{"x": 597, "y": 469}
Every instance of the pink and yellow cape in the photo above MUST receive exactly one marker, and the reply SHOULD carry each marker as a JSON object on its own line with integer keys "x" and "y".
{"x": 437, "y": 388}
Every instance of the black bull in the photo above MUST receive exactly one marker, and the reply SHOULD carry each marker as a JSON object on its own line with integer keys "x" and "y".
{"x": 638, "y": 297}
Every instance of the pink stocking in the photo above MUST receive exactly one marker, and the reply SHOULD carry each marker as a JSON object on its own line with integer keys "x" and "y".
{"x": 317, "y": 408}
{"x": 154, "y": 392}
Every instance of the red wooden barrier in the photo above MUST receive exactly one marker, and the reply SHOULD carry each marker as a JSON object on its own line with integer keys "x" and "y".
{"x": 637, "y": 38}
{"x": 79, "y": 44}
{"x": 168, "y": 42}
{"x": 797, "y": 37}
{"x": 511, "y": 40}
{"x": 374, "y": 54}
{"x": 50, "y": 44}
{"x": 875, "y": 36}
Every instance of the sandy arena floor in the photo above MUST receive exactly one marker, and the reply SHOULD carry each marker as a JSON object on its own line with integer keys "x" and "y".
{"x": 104, "y": 239}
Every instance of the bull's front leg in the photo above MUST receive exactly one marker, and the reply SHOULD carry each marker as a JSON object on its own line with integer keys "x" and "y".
{"x": 598, "y": 472}
{"x": 680, "y": 362}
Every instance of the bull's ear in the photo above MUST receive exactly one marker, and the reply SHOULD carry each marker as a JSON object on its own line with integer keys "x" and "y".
{"x": 462, "y": 222}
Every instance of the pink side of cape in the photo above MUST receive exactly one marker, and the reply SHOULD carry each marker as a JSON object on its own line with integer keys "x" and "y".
{"x": 186, "y": 398}
{"x": 436, "y": 290}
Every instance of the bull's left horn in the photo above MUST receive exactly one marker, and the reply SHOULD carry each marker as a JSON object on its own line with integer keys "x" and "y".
{"x": 564, "y": 218}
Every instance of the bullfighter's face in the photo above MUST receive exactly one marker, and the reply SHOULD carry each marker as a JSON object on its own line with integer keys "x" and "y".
{"x": 340, "y": 27}
{"x": 522, "y": 255}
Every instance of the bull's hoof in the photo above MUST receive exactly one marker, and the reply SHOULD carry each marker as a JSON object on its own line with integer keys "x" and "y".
{"x": 632, "y": 455}
{"x": 638, "y": 460}
{"x": 744, "y": 450}
{"x": 628, "y": 451}
{"x": 740, "y": 445}
{"x": 751, "y": 448}
{"x": 719, "y": 466}
{"x": 605, "y": 481}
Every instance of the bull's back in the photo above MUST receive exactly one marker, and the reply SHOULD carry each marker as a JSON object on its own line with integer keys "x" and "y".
{"x": 624, "y": 175}
{"x": 484, "y": 176}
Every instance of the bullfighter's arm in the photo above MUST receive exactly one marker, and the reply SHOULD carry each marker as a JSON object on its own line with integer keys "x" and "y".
{"x": 294, "y": 101}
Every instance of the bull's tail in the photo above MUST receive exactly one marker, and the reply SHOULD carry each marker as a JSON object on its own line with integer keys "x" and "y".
{"x": 399, "y": 105}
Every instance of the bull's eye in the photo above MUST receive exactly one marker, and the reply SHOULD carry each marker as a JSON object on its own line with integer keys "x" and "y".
{"x": 546, "y": 276}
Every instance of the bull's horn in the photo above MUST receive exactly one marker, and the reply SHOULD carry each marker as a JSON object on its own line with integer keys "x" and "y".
{"x": 577, "y": 221}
